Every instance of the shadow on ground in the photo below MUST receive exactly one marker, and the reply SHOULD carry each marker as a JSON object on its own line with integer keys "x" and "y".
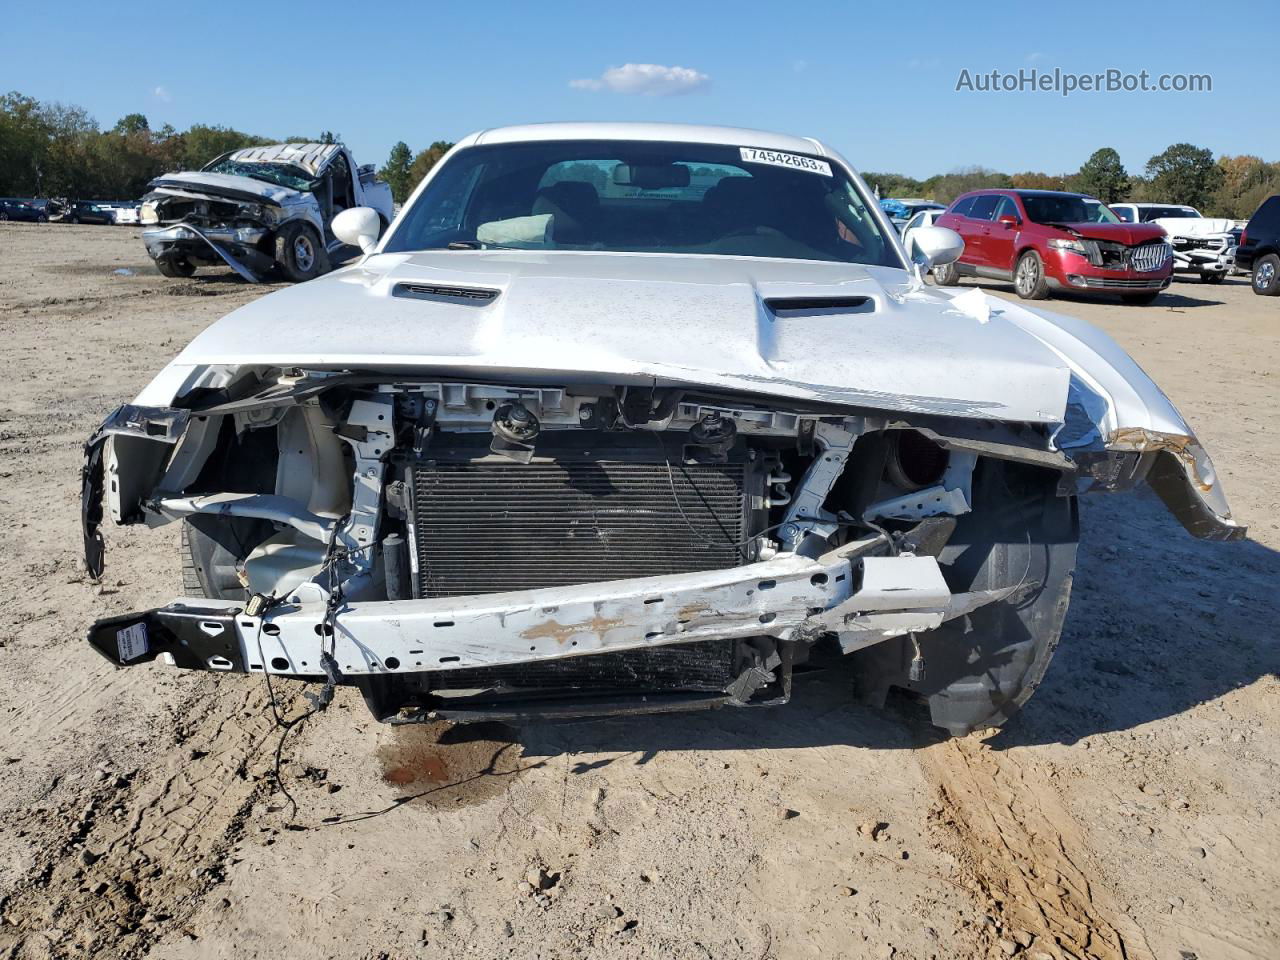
{"x": 1159, "y": 623}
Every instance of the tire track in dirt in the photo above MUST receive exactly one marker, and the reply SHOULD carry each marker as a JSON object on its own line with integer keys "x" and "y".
{"x": 1019, "y": 849}
{"x": 141, "y": 854}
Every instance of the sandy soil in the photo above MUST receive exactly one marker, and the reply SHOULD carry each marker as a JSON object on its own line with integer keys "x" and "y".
{"x": 1128, "y": 813}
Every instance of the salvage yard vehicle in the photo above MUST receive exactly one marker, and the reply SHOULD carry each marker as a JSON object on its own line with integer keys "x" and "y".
{"x": 1046, "y": 240}
{"x": 1259, "y": 250}
{"x": 580, "y": 437}
{"x": 1201, "y": 245}
{"x": 21, "y": 210}
{"x": 258, "y": 210}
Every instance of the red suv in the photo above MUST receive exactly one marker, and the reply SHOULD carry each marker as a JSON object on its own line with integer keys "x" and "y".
{"x": 1044, "y": 240}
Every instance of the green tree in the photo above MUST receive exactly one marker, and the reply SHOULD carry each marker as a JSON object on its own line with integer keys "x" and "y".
{"x": 397, "y": 171}
{"x": 132, "y": 123}
{"x": 1246, "y": 182}
{"x": 1184, "y": 173}
{"x": 203, "y": 143}
{"x": 1103, "y": 176}
{"x": 425, "y": 160}
{"x": 1031, "y": 180}
{"x": 947, "y": 186}
{"x": 893, "y": 184}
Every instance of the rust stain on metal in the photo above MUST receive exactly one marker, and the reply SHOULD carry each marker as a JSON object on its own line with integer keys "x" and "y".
{"x": 561, "y": 632}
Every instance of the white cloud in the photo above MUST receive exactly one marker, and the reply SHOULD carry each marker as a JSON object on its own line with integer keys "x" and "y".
{"x": 1034, "y": 56}
{"x": 161, "y": 94}
{"x": 647, "y": 79}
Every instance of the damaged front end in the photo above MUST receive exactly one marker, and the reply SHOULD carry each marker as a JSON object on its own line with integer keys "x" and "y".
{"x": 479, "y": 551}
{"x": 189, "y": 228}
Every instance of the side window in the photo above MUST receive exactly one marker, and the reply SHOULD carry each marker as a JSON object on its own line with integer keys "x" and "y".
{"x": 1124, "y": 213}
{"x": 1007, "y": 208}
{"x": 964, "y": 206}
{"x": 1267, "y": 217}
{"x": 984, "y": 206}
{"x": 915, "y": 221}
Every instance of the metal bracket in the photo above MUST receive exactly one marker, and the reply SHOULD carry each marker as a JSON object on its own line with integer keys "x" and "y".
{"x": 805, "y": 514}
{"x": 953, "y": 495}
{"x": 361, "y": 530}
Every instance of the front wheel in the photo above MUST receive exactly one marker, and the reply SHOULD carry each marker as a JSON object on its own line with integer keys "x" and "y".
{"x": 1019, "y": 541}
{"x": 1028, "y": 278}
{"x": 1266, "y": 276}
{"x": 178, "y": 267}
{"x": 299, "y": 253}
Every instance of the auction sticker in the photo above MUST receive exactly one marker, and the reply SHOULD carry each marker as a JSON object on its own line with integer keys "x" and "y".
{"x": 793, "y": 160}
{"x": 131, "y": 642}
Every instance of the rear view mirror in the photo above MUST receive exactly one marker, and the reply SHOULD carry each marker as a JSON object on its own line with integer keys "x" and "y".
{"x": 935, "y": 246}
{"x": 358, "y": 227}
{"x": 651, "y": 176}
{"x": 1009, "y": 220}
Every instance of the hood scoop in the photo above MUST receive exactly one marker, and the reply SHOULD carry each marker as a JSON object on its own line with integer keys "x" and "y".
{"x": 475, "y": 296}
{"x": 785, "y": 308}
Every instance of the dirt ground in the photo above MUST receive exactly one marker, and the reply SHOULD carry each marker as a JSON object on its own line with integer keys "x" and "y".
{"x": 1129, "y": 812}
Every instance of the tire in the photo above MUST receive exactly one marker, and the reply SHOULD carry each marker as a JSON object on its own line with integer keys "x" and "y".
{"x": 980, "y": 669}
{"x": 1028, "y": 277}
{"x": 209, "y": 547}
{"x": 299, "y": 253}
{"x": 946, "y": 275}
{"x": 177, "y": 268}
{"x": 1266, "y": 276}
{"x": 4, "y": 215}
{"x": 1213, "y": 276}
{"x": 1140, "y": 299}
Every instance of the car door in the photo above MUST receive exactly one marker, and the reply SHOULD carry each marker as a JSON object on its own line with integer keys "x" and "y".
{"x": 978, "y": 229}
{"x": 999, "y": 237}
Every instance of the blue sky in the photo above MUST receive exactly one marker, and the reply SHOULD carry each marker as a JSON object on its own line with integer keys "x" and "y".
{"x": 877, "y": 83}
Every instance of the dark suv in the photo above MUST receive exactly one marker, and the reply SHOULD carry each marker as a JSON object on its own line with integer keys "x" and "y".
{"x": 1259, "y": 250}
{"x": 1046, "y": 240}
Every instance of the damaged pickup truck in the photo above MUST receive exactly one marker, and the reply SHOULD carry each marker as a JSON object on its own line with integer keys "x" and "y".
{"x": 624, "y": 418}
{"x": 259, "y": 210}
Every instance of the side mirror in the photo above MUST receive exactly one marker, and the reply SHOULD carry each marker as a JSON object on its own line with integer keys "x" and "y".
{"x": 935, "y": 246}
{"x": 358, "y": 227}
{"x": 1009, "y": 221}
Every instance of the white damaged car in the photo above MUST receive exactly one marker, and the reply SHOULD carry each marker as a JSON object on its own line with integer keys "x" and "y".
{"x": 628, "y": 417}
{"x": 260, "y": 210}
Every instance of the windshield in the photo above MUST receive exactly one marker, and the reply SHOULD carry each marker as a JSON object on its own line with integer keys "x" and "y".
{"x": 1168, "y": 213}
{"x": 281, "y": 174}
{"x": 648, "y": 197}
{"x": 1053, "y": 208}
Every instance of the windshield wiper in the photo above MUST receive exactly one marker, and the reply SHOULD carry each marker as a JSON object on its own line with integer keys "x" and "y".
{"x": 477, "y": 245}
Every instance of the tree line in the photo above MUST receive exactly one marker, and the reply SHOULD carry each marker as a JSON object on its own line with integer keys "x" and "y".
{"x": 1230, "y": 186}
{"x": 59, "y": 150}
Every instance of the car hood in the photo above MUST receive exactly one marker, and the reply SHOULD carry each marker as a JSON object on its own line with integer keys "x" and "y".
{"x": 223, "y": 185}
{"x": 1194, "y": 226}
{"x": 1128, "y": 234}
{"x": 643, "y": 318}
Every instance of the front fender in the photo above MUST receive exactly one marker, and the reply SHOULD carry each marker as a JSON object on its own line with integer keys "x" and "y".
{"x": 1129, "y": 414}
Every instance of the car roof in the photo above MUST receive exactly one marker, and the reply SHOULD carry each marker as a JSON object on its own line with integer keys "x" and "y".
{"x": 660, "y": 132}
{"x": 311, "y": 157}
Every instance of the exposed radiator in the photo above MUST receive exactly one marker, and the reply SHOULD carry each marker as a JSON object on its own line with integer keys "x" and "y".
{"x": 492, "y": 525}
{"x": 705, "y": 666}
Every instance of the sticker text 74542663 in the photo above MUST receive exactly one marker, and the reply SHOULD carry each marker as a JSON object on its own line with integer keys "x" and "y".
{"x": 793, "y": 161}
